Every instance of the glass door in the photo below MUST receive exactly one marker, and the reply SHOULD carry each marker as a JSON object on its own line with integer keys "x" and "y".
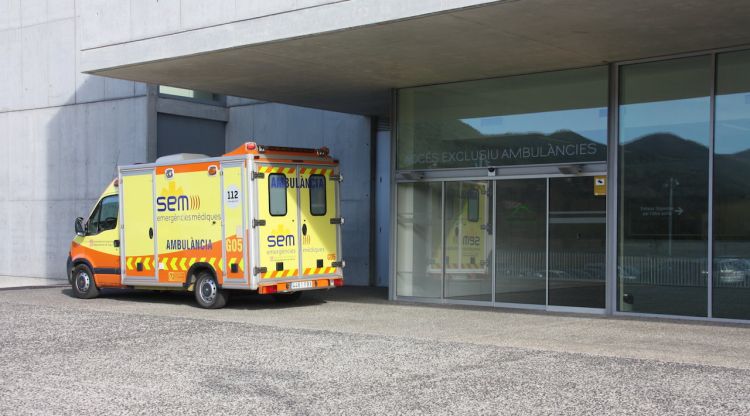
{"x": 468, "y": 240}
{"x": 550, "y": 242}
{"x": 520, "y": 241}
{"x": 577, "y": 242}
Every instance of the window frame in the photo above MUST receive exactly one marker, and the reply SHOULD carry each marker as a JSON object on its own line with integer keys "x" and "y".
{"x": 270, "y": 199}
{"x": 325, "y": 195}
{"x": 97, "y": 212}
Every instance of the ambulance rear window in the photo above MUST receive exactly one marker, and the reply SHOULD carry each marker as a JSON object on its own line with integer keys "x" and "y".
{"x": 317, "y": 195}
{"x": 277, "y": 194}
{"x": 473, "y": 205}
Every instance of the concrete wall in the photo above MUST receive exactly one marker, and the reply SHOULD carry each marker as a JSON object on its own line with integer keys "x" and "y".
{"x": 62, "y": 133}
{"x": 348, "y": 137}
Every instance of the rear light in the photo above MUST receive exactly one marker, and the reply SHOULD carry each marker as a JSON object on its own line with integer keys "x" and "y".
{"x": 264, "y": 290}
{"x": 338, "y": 282}
{"x": 250, "y": 146}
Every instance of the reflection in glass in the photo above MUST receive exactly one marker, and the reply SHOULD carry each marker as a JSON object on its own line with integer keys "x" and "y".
{"x": 577, "y": 229}
{"x": 553, "y": 117}
{"x": 520, "y": 241}
{"x": 731, "y": 269}
{"x": 468, "y": 275}
{"x": 663, "y": 182}
{"x": 419, "y": 240}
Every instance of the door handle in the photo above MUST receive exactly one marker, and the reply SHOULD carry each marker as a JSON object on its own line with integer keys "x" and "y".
{"x": 151, "y": 233}
{"x": 116, "y": 243}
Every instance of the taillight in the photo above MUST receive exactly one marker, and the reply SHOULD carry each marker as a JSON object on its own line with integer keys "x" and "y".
{"x": 264, "y": 290}
{"x": 250, "y": 146}
{"x": 338, "y": 282}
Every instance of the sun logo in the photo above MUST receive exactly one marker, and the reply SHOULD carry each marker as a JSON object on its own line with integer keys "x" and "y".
{"x": 280, "y": 230}
{"x": 171, "y": 190}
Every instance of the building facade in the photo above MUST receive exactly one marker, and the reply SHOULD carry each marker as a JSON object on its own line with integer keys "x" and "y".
{"x": 582, "y": 156}
{"x": 63, "y": 133}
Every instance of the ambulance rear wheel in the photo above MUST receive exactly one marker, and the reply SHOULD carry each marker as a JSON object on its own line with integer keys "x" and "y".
{"x": 83, "y": 283}
{"x": 286, "y": 297}
{"x": 208, "y": 294}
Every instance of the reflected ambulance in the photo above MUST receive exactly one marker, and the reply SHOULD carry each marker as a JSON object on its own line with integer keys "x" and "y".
{"x": 466, "y": 232}
{"x": 260, "y": 218}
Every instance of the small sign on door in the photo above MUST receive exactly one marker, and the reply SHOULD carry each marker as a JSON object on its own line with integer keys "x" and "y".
{"x": 600, "y": 185}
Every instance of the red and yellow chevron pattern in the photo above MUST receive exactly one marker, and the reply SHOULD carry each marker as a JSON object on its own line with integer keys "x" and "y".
{"x": 178, "y": 263}
{"x": 320, "y": 270}
{"x": 276, "y": 169}
{"x": 316, "y": 171}
{"x": 131, "y": 263}
{"x": 279, "y": 273}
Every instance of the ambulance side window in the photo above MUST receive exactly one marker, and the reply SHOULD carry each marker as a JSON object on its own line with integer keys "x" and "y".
{"x": 277, "y": 194}
{"x": 317, "y": 195}
{"x": 104, "y": 216}
{"x": 473, "y": 205}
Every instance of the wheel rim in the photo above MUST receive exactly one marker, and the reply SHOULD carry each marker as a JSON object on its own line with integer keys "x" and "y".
{"x": 83, "y": 281}
{"x": 207, "y": 291}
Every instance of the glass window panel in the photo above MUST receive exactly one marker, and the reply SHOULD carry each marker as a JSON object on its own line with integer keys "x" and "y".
{"x": 554, "y": 117}
{"x": 317, "y": 194}
{"x": 521, "y": 241}
{"x": 108, "y": 213}
{"x": 419, "y": 243}
{"x": 731, "y": 269}
{"x": 277, "y": 194}
{"x": 468, "y": 259}
{"x": 663, "y": 182}
{"x": 577, "y": 241}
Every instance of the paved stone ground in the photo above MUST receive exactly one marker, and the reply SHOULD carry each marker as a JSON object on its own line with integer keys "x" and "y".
{"x": 349, "y": 351}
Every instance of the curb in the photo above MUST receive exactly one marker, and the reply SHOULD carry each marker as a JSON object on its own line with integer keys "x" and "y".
{"x": 33, "y": 287}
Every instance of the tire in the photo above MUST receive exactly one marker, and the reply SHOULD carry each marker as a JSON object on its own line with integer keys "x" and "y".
{"x": 287, "y": 297}
{"x": 208, "y": 294}
{"x": 83, "y": 283}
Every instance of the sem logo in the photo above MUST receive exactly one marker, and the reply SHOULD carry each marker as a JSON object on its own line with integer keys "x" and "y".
{"x": 178, "y": 203}
{"x": 174, "y": 199}
{"x": 280, "y": 237}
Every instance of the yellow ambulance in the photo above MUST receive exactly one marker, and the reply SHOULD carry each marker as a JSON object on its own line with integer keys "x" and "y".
{"x": 259, "y": 218}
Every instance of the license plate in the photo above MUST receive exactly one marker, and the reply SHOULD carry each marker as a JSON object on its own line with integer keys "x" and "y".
{"x": 301, "y": 285}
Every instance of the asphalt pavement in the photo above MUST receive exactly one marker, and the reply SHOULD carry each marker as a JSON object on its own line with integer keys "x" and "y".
{"x": 350, "y": 351}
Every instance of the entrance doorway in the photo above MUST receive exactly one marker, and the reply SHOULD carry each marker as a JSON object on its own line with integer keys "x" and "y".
{"x": 543, "y": 240}
{"x": 550, "y": 240}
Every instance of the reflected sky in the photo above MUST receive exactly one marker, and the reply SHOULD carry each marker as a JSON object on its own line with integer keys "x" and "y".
{"x": 588, "y": 122}
{"x": 732, "y": 123}
{"x": 687, "y": 118}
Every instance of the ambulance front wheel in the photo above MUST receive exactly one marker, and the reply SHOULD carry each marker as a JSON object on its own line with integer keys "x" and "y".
{"x": 208, "y": 294}
{"x": 83, "y": 283}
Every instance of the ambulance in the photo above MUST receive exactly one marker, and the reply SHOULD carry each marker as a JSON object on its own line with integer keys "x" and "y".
{"x": 260, "y": 218}
{"x": 467, "y": 230}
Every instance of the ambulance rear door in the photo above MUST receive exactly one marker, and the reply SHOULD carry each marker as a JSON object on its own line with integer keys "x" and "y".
{"x": 320, "y": 220}
{"x": 276, "y": 222}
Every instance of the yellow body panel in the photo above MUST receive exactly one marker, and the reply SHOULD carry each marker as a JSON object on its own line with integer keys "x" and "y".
{"x": 188, "y": 215}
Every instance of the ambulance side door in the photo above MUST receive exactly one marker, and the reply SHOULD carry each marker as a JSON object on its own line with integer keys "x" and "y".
{"x": 138, "y": 230}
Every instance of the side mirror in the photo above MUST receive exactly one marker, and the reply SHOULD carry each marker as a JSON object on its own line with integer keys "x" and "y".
{"x": 79, "y": 226}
